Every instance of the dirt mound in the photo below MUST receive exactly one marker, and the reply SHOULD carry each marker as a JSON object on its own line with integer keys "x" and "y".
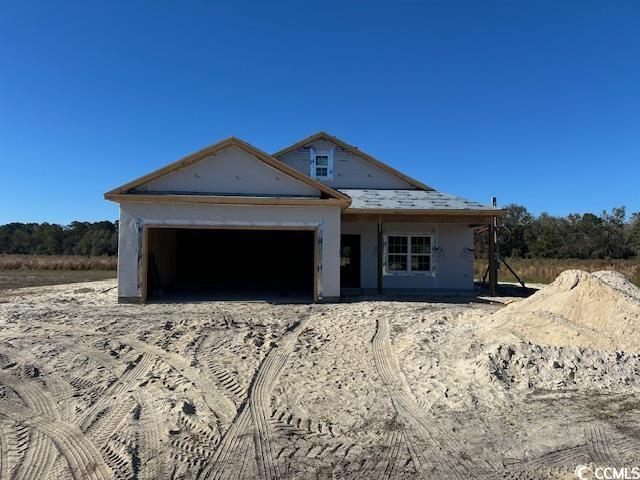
{"x": 600, "y": 310}
{"x": 528, "y": 366}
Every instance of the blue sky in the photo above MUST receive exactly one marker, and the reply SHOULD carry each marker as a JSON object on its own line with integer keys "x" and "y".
{"x": 535, "y": 102}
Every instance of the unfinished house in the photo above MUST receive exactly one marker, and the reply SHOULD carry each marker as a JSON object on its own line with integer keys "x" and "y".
{"x": 316, "y": 220}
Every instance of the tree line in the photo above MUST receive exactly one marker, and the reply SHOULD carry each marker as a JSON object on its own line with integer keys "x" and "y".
{"x": 520, "y": 234}
{"x": 77, "y": 238}
{"x": 608, "y": 235}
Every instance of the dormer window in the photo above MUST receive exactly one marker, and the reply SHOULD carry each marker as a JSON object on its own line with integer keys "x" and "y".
{"x": 322, "y": 165}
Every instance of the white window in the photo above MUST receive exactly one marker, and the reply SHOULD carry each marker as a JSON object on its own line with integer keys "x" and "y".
{"x": 408, "y": 253}
{"x": 322, "y": 165}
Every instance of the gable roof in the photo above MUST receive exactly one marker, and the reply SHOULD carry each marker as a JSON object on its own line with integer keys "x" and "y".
{"x": 125, "y": 190}
{"x": 354, "y": 150}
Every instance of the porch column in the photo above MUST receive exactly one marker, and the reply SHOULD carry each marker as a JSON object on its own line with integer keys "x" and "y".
{"x": 493, "y": 253}
{"x": 380, "y": 253}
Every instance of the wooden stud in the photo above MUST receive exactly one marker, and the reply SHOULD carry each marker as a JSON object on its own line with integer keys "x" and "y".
{"x": 493, "y": 265}
{"x": 144, "y": 280}
{"x": 380, "y": 255}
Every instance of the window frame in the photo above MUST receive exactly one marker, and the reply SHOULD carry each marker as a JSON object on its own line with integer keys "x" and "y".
{"x": 314, "y": 166}
{"x": 409, "y": 254}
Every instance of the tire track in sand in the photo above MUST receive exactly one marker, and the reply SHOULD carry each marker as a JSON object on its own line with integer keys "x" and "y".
{"x": 49, "y": 433}
{"x": 254, "y": 419}
{"x": 598, "y": 448}
{"x": 601, "y": 449}
{"x": 4, "y": 453}
{"x": 214, "y": 397}
{"x": 84, "y": 460}
{"x": 134, "y": 372}
{"x": 41, "y": 452}
{"x": 432, "y": 449}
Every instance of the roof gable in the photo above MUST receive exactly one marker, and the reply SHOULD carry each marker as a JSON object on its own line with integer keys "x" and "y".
{"x": 273, "y": 176}
{"x": 323, "y": 136}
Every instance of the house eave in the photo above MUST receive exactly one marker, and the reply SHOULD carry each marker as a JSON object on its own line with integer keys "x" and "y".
{"x": 224, "y": 199}
{"x": 429, "y": 212}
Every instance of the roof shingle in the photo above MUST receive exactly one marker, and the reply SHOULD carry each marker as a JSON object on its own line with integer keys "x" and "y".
{"x": 372, "y": 199}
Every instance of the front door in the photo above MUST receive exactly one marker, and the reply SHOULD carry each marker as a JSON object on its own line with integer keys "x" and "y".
{"x": 350, "y": 261}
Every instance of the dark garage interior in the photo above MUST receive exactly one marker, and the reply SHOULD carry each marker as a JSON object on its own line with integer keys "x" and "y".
{"x": 193, "y": 263}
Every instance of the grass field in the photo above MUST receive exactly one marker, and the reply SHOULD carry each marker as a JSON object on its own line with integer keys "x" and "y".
{"x": 33, "y": 270}
{"x": 36, "y": 278}
{"x": 56, "y": 262}
{"x": 17, "y": 271}
{"x": 545, "y": 270}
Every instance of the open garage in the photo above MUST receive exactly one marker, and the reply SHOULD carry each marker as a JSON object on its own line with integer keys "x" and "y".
{"x": 258, "y": 263}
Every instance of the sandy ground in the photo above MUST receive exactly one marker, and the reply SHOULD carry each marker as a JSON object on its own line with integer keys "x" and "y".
{"x": 460, "y": 389}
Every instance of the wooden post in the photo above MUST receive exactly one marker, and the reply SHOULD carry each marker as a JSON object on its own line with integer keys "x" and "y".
{"x": 380, "y": 254}
{"x": 493, "y": 240}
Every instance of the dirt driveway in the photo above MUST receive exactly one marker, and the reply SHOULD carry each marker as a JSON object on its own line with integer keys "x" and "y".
{"x": 90, "y": 389}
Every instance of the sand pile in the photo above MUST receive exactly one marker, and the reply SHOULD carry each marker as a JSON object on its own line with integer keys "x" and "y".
{"x": 597, "y": 310}
{"x": 526, "y": 366}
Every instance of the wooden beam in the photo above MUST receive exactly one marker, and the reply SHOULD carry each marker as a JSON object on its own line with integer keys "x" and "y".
{"x": 222, "y": 200}
{"x": 380, "y": 256}
{"x": 493, "y": 264}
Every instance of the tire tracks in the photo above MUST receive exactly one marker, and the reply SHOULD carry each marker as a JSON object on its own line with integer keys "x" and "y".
{"x": 4, "y": 452}
{"x": 155, "y": 463}
{"x": 598, "y": 449}
{"x": 132, "y": 373}
{"x": 213, "y": 397}
{"x": 41, "y": 452}
{"x": 253, "y": 418}
{"x": 51, "y": 433}
{"x": 601, "y": 449}
{"x": 84, "y": 460}
{"x": 432, "y": 449}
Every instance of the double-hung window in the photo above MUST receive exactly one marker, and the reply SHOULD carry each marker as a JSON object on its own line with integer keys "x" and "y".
{"x": 322, "y": 165}
{"x": 408, "y": 253}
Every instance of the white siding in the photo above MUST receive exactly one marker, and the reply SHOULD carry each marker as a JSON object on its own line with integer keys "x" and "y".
{"x": 454, "y": 263}
{"x": 349, "y": 170}
{"x": 134, "y": 215}
{"x": 230, "y": 171}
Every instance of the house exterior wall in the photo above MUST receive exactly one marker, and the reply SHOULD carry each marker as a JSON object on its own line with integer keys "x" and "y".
{"x": 134, "y": 215}
{"x": 453, "y": 268}
{"x": 349, "y": 170}
{"x": 231, "y": 171}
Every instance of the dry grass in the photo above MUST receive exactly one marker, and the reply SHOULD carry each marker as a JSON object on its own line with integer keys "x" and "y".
{"x": 545, "y": 270}
{"x": 56, "y": 262}
{"x": 37, "y": 278}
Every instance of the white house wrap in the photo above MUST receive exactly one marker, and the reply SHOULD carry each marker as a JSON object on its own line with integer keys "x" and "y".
{"x": 359, "y": 226}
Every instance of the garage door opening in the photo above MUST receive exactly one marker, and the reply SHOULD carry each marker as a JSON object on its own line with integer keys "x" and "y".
{"x": 197, "y": 263}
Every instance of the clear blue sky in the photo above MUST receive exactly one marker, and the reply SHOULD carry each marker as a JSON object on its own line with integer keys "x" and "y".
{"x": 536, "y": 102}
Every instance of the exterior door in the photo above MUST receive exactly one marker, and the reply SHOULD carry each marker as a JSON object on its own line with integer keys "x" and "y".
{"x": 350, "y": 261}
